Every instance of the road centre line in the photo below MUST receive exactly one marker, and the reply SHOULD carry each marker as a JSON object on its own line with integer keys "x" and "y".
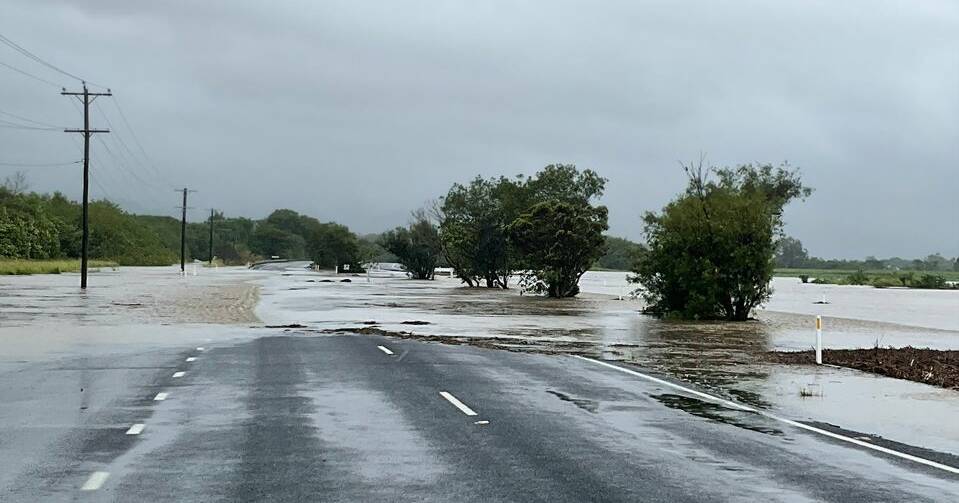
{"x": 160, "y": 397}
{"x": 136, "y": 429}
{"x": 179, "y": 374}
{"x": 458, "y": 404}
{"x": 385, "y": 350}
{"x": 797, "y": 424}
{"x": 95, "y": 481}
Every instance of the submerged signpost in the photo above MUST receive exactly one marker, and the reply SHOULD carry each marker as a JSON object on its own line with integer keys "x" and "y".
{"x": 818, "y": 340}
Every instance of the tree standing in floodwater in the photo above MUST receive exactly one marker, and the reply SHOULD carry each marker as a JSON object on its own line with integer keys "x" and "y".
{"x": 711, "y": 249}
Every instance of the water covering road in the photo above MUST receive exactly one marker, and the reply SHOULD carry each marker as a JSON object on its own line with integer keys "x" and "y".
{"x": 337, "y": 418}
{"x": 108, "y": 408}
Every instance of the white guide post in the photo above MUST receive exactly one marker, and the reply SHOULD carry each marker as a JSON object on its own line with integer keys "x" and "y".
{"x": 818, "y": 340}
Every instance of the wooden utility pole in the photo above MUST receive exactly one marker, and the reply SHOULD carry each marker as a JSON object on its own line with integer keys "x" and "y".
{"x": 183, "y": 232}
{"x": 86, "y": 97}
{"x": 211, "y": 236}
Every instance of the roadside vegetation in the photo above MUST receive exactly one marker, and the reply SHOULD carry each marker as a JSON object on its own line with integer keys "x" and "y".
{"x": 710, "y": 250}
{"x": 932, "y": 272}
{"x": 45, "y": 229}
{"x": 417, "y": 246}
{"x": 929, "y": 366}
{"x": 14, "y": 266}
{"x": 545, "y": 228}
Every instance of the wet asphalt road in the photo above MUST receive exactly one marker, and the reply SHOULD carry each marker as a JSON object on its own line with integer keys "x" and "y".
{"x": 297, "y": 418}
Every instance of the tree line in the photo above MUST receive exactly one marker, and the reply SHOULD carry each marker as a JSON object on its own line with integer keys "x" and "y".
{"x": 47, "y": 226}
{"x": 708, "y": 253}
{"x": 791, "y": 254}
{"x": 546, "y": 229}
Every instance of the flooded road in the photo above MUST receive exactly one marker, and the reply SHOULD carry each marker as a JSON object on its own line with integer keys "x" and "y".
{"x": 254, "y": 398}
{"x": 725, "y": 357}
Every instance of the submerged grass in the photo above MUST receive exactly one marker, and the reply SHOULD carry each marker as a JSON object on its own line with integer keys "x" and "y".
{"x": 835, "y": 275}
{"x": 17, "y": 266}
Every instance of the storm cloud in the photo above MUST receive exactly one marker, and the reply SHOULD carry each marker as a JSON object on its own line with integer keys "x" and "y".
{"x": 361, "y": 111}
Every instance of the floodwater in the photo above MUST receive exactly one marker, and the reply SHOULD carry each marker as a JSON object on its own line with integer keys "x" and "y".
{"x": 724, "y": 357}
{"x": 133, "y": 308}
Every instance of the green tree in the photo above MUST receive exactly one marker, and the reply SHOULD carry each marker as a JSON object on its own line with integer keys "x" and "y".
{"x": 269, "y": 241}
{"x": 473, "y": 232}
{"x": 560, "y": 241}
{"x": 621, "y": 254}
{"x": 332, "y": 245}
{"x": 711, "y": 249}
{"x": 790, "y": 253}
{"x": 417, "y": 246}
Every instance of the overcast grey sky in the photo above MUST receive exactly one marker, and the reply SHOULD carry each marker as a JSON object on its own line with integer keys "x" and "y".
{"x": 361, "y": 111}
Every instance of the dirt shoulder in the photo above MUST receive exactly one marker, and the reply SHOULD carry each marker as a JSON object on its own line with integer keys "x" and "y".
{"x": 929, "y": 366}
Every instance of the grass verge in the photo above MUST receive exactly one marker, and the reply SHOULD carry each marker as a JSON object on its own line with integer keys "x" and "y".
{"x": 16, "y": 266}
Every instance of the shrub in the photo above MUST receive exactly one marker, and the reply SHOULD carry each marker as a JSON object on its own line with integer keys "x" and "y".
{"x": 857, "y": 278}
{"x": 884, "y": 281}
{"x": 931, "y": 281}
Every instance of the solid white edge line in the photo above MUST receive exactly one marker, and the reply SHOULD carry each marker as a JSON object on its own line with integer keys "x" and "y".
{"x": 160, "y": 396}
{"x": 458, "y": 404}
{"x": 179, "y": 374}
{"x": 200, "y": 348}
{"x": 790, "y": 422}
{"x": 385, "y": 350}
{"x": 136, "y": 429}
{"x": 95, "y": 481}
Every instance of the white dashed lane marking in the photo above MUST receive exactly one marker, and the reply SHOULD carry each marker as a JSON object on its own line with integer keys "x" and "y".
{"x": 160, "y": 397}
{"x": 385, "y": 350}
{"x": 95, "y": 481}
{"x": 458, "y": 404}
{"x": 136, "y": 429}
{"x": 179, "y": 374}
{"x": 191, "y": 359}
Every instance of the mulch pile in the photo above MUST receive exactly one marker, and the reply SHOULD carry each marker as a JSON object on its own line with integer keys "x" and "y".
{"x": 930, "y": 366}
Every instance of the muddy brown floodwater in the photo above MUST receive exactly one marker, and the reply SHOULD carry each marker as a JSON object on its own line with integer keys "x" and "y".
{"x": 730, "y": 359}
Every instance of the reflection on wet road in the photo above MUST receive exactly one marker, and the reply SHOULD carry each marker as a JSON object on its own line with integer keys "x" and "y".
{"x": 299, "y": 418}
{"x": 724, "y": 357}
{"x": 114, "y": 406}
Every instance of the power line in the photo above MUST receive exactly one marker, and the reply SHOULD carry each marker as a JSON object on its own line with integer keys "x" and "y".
{"x": 32, "y": 76}
{"x": 40, "y": 60}
{"x": 13, "y": 125}
{"x": 30, "y": 120}
{"x": 39, "y": 165}
{"x": 119, "y": 139}
{"x": 133, "y": 134}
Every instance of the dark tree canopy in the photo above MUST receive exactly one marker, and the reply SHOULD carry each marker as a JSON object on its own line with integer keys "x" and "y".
{"x": 621, "y": 254}
{"x": 417, "y": 246}
{"x": 560, "y": 241}
{"x": 473, "y": 231}
{"x": 711, "y": 250}
{"x": 475, "y": 220}
{"x": 790, "y": 253}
